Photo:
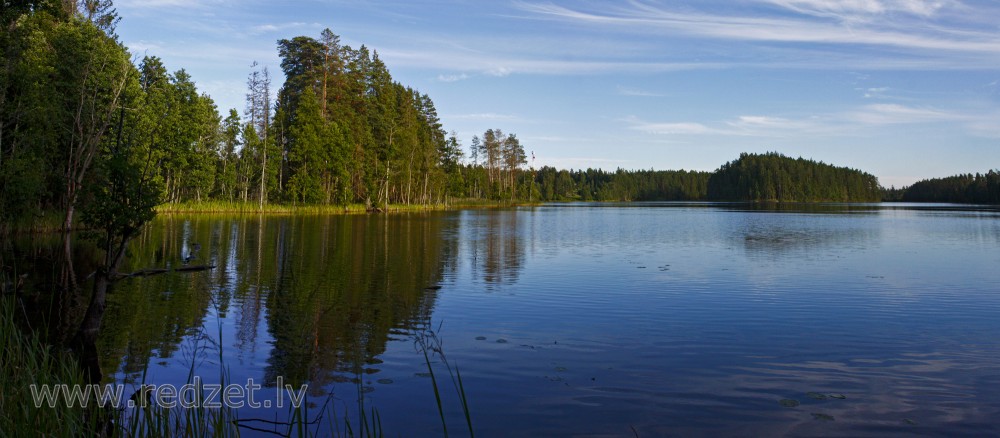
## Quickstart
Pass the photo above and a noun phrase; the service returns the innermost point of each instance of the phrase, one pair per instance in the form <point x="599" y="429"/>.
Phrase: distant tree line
<point x="968" y="188"/>
<point x="620" y="185"/>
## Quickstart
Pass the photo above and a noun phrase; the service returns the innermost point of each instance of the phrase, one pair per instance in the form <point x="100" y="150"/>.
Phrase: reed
<point x="208" y="207"/>
<point x="25" y="359"/>
<point x="430" y="344"/>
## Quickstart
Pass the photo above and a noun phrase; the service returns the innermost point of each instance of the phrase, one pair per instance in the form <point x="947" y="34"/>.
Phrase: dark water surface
<point x="589" y="319"/>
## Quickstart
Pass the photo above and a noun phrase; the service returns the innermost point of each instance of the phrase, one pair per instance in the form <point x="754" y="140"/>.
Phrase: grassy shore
<point x="52" y="221"/>
<point x="255" y="208"/>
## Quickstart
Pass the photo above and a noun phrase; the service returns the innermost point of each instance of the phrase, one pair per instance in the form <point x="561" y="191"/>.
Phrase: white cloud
<point x="485" y="63"/>
<point x="279" y="27"/>
<point x="937" y="39"/>
<point x="499" y="71"/>
<point x="669" y="128"/>
<point x="452" y="78"/>
<point x="887" y="114"/>
<point x="846" y="9"/>
<point x="844" y="123"/>
<point x="142" y="47"/>
<point x="759" y="121"/>
<point x="875" y="92"/>
<point x="265" y="28"/>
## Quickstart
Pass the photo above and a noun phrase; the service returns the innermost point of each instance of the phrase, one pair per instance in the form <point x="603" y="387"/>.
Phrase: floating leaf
<point x="480" y="338"/>
<point x="384" y="381"/>
<point x="816" y="395"/>
<point x="909" y="421"/>
<point x="837" y="396"/>
<point x="822" y="417"/>
<point x="560" y="369"/>
<point x="501" y="341"/>
<point x="788" y="403"/>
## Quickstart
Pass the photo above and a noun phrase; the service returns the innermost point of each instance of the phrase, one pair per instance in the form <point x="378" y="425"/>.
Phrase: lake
<point x="648" y="319"/>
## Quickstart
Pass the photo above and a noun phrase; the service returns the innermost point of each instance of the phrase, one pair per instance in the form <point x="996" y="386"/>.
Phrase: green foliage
<point x="313" y="154"/>
<point x="775" y="177"/>
<point x="123" y="195"/>
<point x="621" y="185"/>
<point x="62" y="80"/>
<point x="351" y="133"/>
<point x="969" y="188"/>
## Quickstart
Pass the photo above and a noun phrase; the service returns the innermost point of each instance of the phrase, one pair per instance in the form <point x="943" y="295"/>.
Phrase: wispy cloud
<point x="831" y="124"/>
<point x="629" y="91"/>
<point x="485" y="116"/>
<point x="452" y="78"/>
<point x="773" y="126"/>
<point x="153" y="4"/>
<point x="503" y="64"/>
<point x="874" y="92"/>
<point x="500" y="71"/>
<point x="281" y="27"/>
<point x="844" y="123"/>
<point x="855" y="9"/>
<point x="985" y="126"/>
<point x="810" y="22"/>
<point x="670" y="128"/>
<point x="888" y="114"/>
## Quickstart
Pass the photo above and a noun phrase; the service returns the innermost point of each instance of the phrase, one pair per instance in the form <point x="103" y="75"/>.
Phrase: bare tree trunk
<point x="86" y="337"/>
<point x="409" y="177"/>
<point x="425" y="188"/>
<point x="263" y="168"/>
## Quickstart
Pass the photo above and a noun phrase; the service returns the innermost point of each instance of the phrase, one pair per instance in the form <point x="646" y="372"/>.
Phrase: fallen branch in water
<point x="194" y="268"/>
<point x="157" y="271"/>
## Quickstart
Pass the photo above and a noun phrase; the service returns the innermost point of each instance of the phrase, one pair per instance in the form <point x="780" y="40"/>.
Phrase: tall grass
<point x="153" y="420"/>
<point x="430" y="344"/>
<point x="47" y="221"/>
<point x="253" y="208"/>
<point x="25" y="359"/>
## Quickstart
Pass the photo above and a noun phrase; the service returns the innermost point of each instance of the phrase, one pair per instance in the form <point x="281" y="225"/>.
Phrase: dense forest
<point x="972" y="189"/>
<point x="775" y="177"/>
<point x="621" y="185"/>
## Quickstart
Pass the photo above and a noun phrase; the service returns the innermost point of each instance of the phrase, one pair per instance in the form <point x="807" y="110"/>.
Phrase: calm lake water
<point x="588" y="319"/>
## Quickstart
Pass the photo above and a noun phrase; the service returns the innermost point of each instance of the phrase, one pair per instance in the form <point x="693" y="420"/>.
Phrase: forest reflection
<point x="320" y="296"/>
<point x="496" y="245"/>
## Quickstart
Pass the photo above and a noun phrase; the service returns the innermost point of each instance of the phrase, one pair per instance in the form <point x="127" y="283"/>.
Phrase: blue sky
<point x="904" y="89"/>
